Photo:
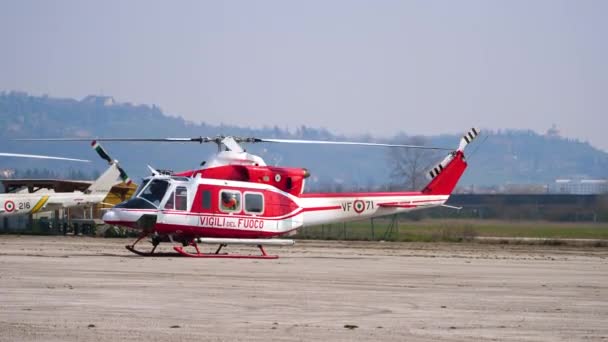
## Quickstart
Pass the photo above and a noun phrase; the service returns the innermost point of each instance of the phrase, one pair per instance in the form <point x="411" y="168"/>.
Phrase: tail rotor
<point x="105" y="156"/>
<point x="468" y="138"/>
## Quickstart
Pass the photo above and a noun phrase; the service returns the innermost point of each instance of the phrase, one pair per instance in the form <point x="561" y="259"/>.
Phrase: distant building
<point x="523" y="189"/>
<point x="579" y="186"/>
<point x="553" y="131"/>
<point x="105" y="100"/>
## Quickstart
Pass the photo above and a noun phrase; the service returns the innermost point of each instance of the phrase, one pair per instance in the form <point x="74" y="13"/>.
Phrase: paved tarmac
<point x="88" y="289"/>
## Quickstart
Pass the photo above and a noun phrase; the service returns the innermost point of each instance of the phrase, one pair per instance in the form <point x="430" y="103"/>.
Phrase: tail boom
<point x="331" y="208"/>
<point x="328" y="208"/>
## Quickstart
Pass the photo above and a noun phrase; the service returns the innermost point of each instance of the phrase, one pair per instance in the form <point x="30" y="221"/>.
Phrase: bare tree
<point x="409" y="165"/>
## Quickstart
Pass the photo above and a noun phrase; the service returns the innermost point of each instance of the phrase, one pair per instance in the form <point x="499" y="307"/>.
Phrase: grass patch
<point x="452" y="230"/>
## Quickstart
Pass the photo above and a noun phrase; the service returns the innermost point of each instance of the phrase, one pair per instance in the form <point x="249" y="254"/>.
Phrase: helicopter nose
<point x="111" y="216"/>
<point x="120" y="217"/>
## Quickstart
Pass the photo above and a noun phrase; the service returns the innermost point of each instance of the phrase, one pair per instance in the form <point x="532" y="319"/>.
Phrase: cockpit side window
<point x="181" y="198"/>
<point x="230" y="201"/>
<point x="170" y="201"/>
<point x="155" y="191"/>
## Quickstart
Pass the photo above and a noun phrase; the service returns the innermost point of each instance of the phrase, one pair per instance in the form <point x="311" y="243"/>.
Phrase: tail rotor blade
<point x="468" y="137"/>
<point x="123" y="175"/>
<point x="102" y="153"/>
<point x="105" y="156"/>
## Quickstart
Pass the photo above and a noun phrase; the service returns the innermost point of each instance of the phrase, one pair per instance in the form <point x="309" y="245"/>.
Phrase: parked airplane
<point x="48" y="200"/>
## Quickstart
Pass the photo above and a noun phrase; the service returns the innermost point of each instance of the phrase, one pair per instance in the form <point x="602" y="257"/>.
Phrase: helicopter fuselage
<point x="206" y="207"/>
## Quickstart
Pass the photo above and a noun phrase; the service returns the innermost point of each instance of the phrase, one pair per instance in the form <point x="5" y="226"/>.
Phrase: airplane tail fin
<point x="445" y="175"/>
<point x="107" y="180"/>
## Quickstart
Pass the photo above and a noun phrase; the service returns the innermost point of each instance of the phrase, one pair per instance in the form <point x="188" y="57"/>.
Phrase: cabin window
<point x="206" y="199"/>
<point x="289" y="183"/>
<point x="254" y="203"/>
<point x="230" y="201"/>
<point x="181" y="198"/>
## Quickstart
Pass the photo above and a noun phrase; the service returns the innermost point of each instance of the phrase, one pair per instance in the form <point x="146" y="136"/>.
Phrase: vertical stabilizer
<point x="445" y="175"/>
<point x="106" y="181"/>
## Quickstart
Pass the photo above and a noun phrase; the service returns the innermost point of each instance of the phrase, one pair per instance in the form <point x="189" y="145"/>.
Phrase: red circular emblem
<point x="359" y="206"/>
<point x="9" y="206"/>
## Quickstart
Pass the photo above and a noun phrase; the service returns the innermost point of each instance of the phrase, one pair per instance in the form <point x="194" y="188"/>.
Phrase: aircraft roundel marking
<point x="9" y="206"/>
<point x="358" y="206"/>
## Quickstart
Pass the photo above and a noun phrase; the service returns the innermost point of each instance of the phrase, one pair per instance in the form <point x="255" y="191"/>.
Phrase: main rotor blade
<point x="36" y="156"/>
<point x="295" y="141"/>
<point x="220" y="139"/>
<point x="198" y="139"/>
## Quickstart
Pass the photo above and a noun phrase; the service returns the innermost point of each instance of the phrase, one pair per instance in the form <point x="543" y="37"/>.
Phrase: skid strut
<point x="155" y="243"/>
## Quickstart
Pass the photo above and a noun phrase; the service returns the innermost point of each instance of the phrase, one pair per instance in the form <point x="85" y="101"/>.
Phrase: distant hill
<point x="516" y="157"/>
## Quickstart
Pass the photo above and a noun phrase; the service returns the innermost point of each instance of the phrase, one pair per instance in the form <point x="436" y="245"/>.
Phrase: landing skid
<point x="181" y="252"/>
<point x="152" y="253"/>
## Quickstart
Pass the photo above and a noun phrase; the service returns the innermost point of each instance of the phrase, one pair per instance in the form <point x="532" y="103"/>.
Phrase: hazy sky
<point x="374" y="66"/>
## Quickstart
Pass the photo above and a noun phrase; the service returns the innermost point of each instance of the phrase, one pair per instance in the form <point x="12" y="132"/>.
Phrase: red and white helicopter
<point x="237" y="199"/>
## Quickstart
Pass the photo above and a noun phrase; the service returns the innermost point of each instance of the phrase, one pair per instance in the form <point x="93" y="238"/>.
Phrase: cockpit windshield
<point x="155" y="191"/>
<point x="141" y="187"/>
